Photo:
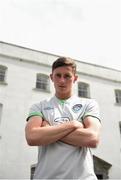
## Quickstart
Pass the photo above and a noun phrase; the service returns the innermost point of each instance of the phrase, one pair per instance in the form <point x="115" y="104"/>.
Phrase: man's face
<point x="63" y="79"/>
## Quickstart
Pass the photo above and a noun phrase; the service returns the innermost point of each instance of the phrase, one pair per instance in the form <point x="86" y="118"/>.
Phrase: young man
<point x="64" y="127"/>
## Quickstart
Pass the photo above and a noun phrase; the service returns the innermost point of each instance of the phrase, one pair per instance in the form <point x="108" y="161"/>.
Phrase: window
<point x="120" y="126"/>
<point x="32" y="171"/>
<point x="2" y="73"/>
<point x="118" y="96"/>
<point x="99" y="176"/>
<point x="42" y="82"/>
<point x="1" y="107"/>
<point x="101" y="168"/>
<point x="83" y="90"/>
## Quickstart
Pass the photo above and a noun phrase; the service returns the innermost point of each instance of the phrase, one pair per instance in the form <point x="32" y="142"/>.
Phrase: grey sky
<point x="87" y="30"/>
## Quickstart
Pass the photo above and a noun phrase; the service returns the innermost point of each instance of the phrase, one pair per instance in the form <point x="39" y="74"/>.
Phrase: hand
<point x="77" y="124"/>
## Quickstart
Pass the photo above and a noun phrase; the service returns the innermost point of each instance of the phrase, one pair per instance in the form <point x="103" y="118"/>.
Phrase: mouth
<point x="62" y="87"/>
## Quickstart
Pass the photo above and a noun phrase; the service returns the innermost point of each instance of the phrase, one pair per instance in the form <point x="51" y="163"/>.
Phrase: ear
<point x="75" y="78"/>
<point x="51" y="77"/>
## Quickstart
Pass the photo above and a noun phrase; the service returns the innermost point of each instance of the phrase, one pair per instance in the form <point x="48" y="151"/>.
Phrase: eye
<point x="58" y="75"/>
<point x="67" y="76"/>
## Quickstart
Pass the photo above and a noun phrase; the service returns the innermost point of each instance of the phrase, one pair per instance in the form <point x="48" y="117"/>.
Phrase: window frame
<point x="118" y="96"/>
<point x="85" y="90"/>
<point x="42" y="82"/>
<point x="120" y="127"/>
<point x="3" y="70"/>
<point x="1" y="111"/>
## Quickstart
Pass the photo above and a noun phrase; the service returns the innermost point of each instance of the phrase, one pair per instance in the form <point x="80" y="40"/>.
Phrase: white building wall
<point x="23" y="64"/>
<point x="110" y="146"/>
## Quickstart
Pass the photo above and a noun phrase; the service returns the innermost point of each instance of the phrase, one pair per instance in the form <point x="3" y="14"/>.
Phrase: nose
<point x="62" y="79"/>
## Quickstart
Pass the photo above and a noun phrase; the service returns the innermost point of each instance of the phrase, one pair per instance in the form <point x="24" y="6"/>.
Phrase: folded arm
<point x="88" y="136"/>
<point x="39" y="133"/>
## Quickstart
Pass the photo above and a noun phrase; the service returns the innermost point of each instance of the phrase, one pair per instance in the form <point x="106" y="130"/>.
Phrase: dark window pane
<point x="42" y="82"/>
<point x="83" y="90"/>
<point x="118" y="96"/>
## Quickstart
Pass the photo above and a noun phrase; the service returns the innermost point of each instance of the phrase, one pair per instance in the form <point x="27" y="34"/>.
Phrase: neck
<point x="63" y="96"/>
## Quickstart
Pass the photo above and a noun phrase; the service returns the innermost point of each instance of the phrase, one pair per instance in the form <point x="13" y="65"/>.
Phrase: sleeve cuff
<point x="34" y="114"/>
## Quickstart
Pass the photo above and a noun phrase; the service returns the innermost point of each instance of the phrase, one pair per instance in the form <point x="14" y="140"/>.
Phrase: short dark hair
<point x="64" y="61"/>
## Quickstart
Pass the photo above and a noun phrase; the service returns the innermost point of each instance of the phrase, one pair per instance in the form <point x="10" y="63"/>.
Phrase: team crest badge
<point x="76" y="108"/>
